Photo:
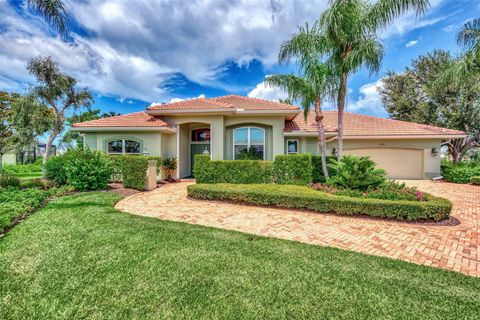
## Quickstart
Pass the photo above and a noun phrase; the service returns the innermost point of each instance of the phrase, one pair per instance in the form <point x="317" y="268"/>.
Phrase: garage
<point x="399" y="163"/>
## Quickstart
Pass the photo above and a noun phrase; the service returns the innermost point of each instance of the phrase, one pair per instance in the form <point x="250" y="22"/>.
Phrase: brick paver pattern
<point x="448" y="247"/>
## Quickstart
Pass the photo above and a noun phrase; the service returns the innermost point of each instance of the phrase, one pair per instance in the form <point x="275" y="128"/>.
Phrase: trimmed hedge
<point x="293" y="169"/>
<point x="305" y="198"/>
<point x="132" y="170"/>
<point x="231" y="171"/>
<point x="317" y="171"/>
<point x="460" y="172"/>
<point x="475" y="180"/>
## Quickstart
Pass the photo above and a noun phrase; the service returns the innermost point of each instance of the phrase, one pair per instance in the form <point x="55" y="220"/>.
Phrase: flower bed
<point x="305" y="198"/>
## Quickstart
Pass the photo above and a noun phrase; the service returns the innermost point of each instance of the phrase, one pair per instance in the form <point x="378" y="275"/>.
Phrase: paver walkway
<point x="449" y="247"/>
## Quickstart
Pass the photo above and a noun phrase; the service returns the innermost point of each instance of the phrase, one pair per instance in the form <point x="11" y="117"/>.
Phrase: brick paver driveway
<point x="448" y="247"/>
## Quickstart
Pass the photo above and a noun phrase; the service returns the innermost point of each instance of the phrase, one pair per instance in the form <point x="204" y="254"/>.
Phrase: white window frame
<point x="123" y="146"/>
<point x="248" y="140"/>
<point x="298" y="146"/>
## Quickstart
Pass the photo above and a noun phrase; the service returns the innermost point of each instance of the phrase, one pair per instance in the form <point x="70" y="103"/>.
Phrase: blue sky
<point x="133" y="53"/>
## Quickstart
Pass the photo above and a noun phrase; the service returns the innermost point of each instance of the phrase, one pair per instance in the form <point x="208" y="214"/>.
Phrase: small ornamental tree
<point x="59" y="92"/>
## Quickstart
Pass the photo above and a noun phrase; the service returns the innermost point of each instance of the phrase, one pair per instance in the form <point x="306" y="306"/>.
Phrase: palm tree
<point x="469" y="36"/>
<point x="54" y="12"/>
<point x="314" y="82"/>
<point x="348" y="35"/>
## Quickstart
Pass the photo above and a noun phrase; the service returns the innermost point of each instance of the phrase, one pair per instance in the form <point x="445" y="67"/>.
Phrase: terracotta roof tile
<point x="136" y="119"/>
<point x="192" y="104"/>
<point x="242" y="102"/>
<point x="226" y="102"/>
<point x="363" y="125"/>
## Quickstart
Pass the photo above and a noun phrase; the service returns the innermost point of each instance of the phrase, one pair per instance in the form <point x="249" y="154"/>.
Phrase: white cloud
<point x="263" y="91"/>
<point x="411" y="43"/>
<point x="449" y="28"/>
<point x="176" y="99"/>
<point x="369" y="101"/>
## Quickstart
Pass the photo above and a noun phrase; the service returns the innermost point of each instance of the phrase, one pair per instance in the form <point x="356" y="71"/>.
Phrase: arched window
<point x="123" y="146"/>
<point x="248" y="142"/>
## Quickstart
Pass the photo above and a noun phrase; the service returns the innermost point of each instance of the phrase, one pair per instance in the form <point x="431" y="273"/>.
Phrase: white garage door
<point x="399" y="163"/>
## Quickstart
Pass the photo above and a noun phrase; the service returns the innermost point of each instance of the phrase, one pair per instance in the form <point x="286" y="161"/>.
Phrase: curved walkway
<point x="449" y="247"/>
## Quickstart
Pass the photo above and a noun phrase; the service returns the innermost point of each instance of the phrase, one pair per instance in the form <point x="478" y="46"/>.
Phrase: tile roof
<point x="226" y="102"/>
<point x="136" y="119"/>
<point x="363" y="125"/>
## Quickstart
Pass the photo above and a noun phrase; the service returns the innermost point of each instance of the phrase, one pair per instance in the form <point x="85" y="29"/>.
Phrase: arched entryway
<point x="199" y="143"/>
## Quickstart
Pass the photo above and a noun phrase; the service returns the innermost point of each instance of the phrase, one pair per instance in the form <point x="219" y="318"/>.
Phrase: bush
<point x="56" y="169"/>
<point x="119" y="162"/>
<point x="88" y="170"/>
<point x="134" y="172"/>
<point x="21" y="169"/>
<point x="293" y="169"/>
<point x="356" y="173"/>
<point x="317" y="171"/>
<point x="38" y="183"/>
<point x="475" y="180"/>
<point x="231" y="171"/>
<point x="169" y="165"/>
<point x="305" y="198"/>
<point x="389" y="190"/>
<point x="460" y="172"/>
<point x="15" y="203"/>
<point x="9" y="181"/>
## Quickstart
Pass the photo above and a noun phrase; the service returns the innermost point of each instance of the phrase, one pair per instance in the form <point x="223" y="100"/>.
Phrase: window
<point x="249" y="140"/>
<point x="123" y="146"/>
<point x="292" y="146"/>
<point x="199" y="135"/>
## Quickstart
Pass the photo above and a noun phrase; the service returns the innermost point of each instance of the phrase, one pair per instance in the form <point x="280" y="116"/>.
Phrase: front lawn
<point x="80" y="258"/>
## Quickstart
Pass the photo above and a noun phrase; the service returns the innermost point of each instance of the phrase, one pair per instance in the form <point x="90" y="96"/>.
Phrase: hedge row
<point x="317" y="171"/>
<point x="293" y="169"/>
<point x="230" y="171"/>
<point x="475" y="180"/>
<point x="304" y="198"/>
<point x="132" y="170"/>
<point x="460" y="172"/>
<point x="286" y="169"/>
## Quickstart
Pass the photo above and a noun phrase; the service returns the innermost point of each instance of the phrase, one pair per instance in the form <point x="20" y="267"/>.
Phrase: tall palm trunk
<point x="342" y="95"/>
<point x="321" y="137"/>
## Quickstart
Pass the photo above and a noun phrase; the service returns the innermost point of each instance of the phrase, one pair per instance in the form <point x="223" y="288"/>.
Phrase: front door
<point x="197" y="148"/>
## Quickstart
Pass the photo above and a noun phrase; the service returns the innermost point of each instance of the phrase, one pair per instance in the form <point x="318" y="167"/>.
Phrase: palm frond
<point x="54" y="12"/>
<point x="469" y="36"/>
<point x="383" y="12"/>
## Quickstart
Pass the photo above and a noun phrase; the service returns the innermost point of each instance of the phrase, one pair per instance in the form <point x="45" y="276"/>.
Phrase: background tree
<point x="54" y="12"/>
<point x="314" y="82"/>
<point x="433" y="92"/>
<point x="71" y="138"/>
<point x="59" y="92"/>
<point x="348" y="33"/>
<point x="469" y="36"/>
<point x="6" y="131"/>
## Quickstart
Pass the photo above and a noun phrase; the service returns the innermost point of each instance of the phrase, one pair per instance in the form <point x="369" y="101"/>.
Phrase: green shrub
<point x="15" y="203"/>
<point x="317" y="171"/>
<point x="475" y="180"/>
<point x="169" y="165"/>
<point x="356" y="173"/>
<point x="9" y="181"/>
<point x="249" y="154"/>
<point x="293" y="169"/>
<point x="231" y="171"/>
<point x="305" y="198"/>
<point x="460" y="172"/>
<point x="88" y="170"/>
<point x="118" y="163"/>
<point x="21" y="169"/>
<point x="56" y="169"/>
<point x="134" y="172"/>
<point x="36" y="183"/>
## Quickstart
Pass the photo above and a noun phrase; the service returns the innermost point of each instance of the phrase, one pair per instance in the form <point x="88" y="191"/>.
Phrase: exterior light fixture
<point x="145" y="152"/>
<point x="434" y="152"/>
<point x="206" y="151"/>
<point x="334" y="152"/>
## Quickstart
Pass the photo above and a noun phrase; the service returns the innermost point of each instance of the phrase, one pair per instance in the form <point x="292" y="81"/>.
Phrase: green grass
<point x="80" y="258"/>
<point x="29" y="175"/>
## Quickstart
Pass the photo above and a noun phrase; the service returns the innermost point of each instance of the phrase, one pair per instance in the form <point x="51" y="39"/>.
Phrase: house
<point x="226" y="126"/>
<point x="30" y="154"/>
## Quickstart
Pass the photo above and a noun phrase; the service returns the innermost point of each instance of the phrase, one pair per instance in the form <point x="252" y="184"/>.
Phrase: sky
<point x="131" y="53"/>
